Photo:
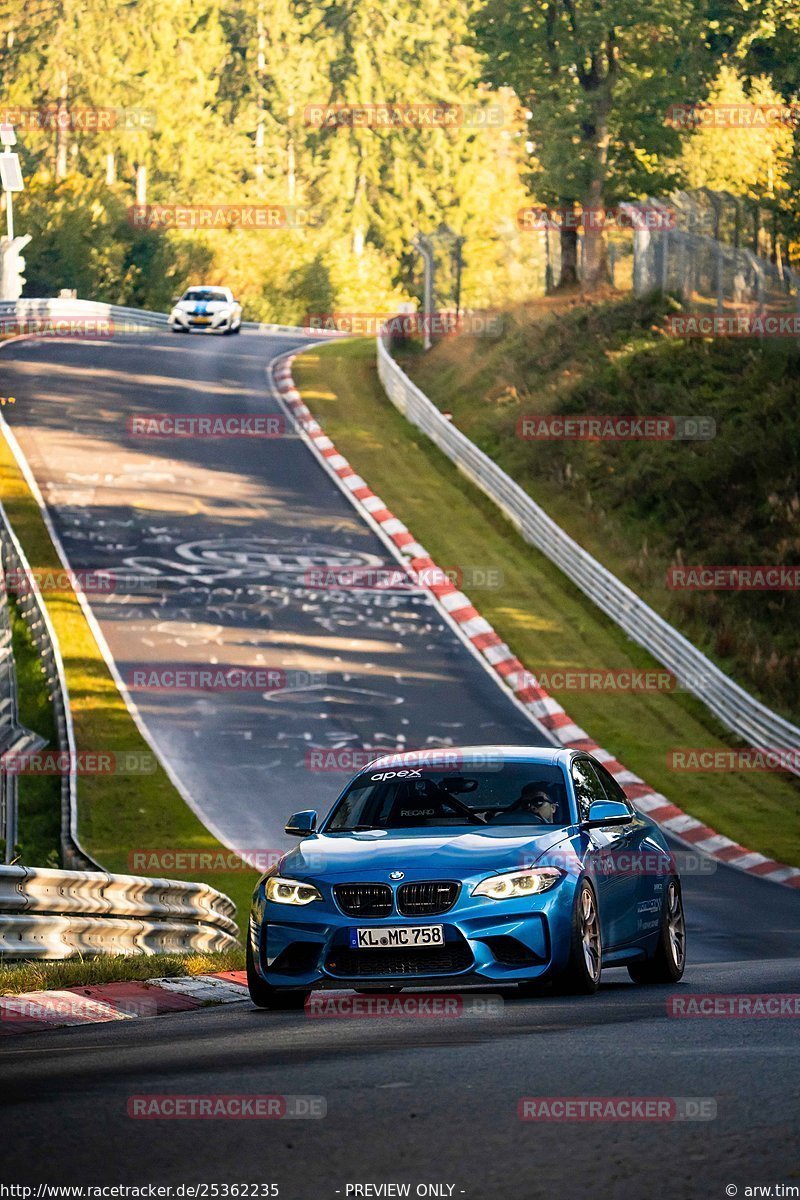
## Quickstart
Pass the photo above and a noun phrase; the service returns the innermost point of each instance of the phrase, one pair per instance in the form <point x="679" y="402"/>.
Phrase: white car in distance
<point x="209" y="309"/>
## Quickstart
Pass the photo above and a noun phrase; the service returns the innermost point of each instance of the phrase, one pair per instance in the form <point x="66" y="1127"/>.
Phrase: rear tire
<point x="581" y="976"/>
<point x="264" y="996"/>
<point x="668" y="962"/>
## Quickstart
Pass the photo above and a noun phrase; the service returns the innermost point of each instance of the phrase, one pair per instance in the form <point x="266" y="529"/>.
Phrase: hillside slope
<point x="642" y="507"/>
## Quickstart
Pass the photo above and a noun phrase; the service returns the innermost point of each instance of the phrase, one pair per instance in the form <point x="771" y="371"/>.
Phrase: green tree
<point x="597" y="77"/>
<point x="750" y="161"/>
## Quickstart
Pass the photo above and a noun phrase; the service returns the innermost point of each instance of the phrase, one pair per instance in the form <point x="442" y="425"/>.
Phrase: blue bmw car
<point x="485" y="865"/>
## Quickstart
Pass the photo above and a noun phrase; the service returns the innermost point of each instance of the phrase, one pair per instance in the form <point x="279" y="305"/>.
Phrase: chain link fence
<point x="722" y="254"/>
<point x="680" y="247"/>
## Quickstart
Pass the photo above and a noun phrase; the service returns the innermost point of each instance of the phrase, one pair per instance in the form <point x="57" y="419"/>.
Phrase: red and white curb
<point x="32" y="1012"/>
<point x="544" y="710"/>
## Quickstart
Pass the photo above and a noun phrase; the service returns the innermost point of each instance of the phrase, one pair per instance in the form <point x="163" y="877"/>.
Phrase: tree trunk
<point x="598" y="85"/>
<point x="568" y="275"/>
<point x="595" y="245"/>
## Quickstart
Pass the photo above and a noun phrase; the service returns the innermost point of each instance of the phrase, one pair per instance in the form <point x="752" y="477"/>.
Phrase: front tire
<point x="581" y="977"/>
<point x="265" y="996"/>
<point x="668" y="963"/>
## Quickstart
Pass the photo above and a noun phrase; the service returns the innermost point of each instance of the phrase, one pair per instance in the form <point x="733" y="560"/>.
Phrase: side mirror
<point x="302" y="823"/>
<point x="606" y="813"/>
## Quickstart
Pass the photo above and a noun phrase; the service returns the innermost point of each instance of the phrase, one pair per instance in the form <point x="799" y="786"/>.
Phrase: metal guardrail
<point x="57" y="914"/>
<point x="58" y="309"/>
<point x="34" y="612"/>
<point x="738" y="711"/>
<point x="14" y="737"/>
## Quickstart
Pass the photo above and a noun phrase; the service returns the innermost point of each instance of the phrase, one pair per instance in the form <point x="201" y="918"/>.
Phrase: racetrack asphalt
<point x="421" y="1100"/>
<point x="212" y="545"/>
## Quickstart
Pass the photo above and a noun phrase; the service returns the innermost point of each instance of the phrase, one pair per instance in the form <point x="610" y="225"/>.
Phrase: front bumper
<point x="486" y="941"/>
<point x="217" y="322"/>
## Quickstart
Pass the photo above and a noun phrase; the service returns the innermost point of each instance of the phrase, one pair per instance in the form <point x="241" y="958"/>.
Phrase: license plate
<point x="201" y="320"/>
<point x="397" y="935"/>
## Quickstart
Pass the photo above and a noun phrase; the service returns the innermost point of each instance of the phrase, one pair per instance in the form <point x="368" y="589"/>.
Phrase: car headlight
<point x="514" y="884"/>
<point x="290" y="891"/>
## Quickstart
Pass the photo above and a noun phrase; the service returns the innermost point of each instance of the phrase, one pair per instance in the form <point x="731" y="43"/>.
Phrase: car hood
<point x="204" y="306"/>
<point x="420" y="855"/>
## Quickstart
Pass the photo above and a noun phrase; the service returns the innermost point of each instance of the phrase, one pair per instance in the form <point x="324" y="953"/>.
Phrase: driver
<point x="534" y="800"/>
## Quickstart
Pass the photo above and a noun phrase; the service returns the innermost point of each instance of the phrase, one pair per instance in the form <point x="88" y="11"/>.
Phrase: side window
<point x="588" y="787"/>
<point x="613" y="790"/>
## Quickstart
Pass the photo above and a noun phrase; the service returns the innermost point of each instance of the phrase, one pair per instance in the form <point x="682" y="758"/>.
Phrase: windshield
<point x="204" y="294"/>
<point x="421" y="797"/>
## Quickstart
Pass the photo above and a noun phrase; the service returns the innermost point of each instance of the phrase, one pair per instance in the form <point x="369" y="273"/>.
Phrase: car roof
<point x="206" y="287"/>
<point x="543" y="755"/>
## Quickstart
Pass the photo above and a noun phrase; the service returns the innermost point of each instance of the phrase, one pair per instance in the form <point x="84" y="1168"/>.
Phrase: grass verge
<point x="44" y="976"/>
<point x="548" y="623"/>
<point x="117" y="814"/>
